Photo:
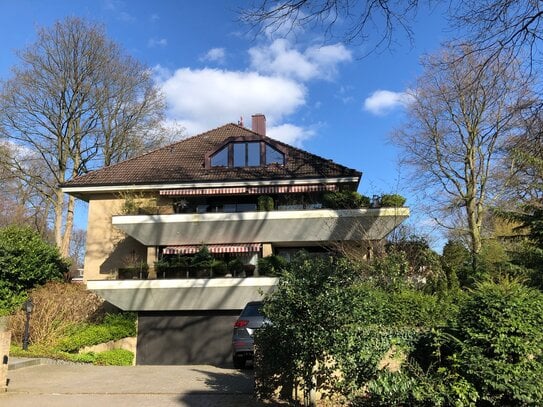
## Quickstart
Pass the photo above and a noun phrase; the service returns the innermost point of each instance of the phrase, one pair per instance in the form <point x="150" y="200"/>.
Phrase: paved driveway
<point x="141" y="386"/>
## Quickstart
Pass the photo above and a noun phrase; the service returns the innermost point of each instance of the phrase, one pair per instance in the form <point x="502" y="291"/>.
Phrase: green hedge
<point x="114" y="327"/>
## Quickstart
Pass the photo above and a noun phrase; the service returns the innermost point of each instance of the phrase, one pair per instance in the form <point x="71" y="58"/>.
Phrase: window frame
<point x="229" y="143"/>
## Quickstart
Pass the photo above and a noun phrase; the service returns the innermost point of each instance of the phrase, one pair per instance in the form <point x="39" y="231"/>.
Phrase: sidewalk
<point x="127" y="386"/>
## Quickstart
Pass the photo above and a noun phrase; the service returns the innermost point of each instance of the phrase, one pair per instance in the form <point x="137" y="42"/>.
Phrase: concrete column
<point x="5" y="340"/>
<point x="152" y="257"/>
<point x="267" y="249"/>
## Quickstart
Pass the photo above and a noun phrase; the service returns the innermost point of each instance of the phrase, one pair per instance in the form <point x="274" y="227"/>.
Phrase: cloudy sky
<point x="324" y="96"/>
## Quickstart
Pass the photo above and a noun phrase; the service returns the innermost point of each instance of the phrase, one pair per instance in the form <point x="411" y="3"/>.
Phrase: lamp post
<point x="28" y="309"/>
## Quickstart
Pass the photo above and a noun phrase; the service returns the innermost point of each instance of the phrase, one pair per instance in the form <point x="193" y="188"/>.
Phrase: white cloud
<point x="290" y="134"/>
<point x="118" y="6"/>
<point x="157" y="42"/>
<point x="280" y="58"/>
<point x="154" y="18"/>
<point x="215" y="55"/>
<point x="382" y="102"/>
<point x="201" y="99"/>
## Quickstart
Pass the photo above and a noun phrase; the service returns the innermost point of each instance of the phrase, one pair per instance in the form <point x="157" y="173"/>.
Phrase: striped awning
<point x="215" y="248"/>
<point x="271" y="189"/>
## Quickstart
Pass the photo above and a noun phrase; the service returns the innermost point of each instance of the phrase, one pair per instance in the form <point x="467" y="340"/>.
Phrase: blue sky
<point x="322" y="96"/>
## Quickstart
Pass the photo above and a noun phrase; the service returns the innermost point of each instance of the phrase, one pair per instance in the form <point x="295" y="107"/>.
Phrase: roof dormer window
<point x="246" y="153"/>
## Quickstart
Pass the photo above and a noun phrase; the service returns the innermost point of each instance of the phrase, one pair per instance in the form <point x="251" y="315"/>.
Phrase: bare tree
<point x="22" y="201"/>
<point x="502" y="27"/>
<point x="70" y="102"/>
<point x="459" y="118"/>
<point x="130" y="110"/>
<point x="348" y="20"/>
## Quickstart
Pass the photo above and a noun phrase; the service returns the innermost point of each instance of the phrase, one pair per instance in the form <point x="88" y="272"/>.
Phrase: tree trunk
<point x="59" y="206"/>
<point x="66" y="238"/>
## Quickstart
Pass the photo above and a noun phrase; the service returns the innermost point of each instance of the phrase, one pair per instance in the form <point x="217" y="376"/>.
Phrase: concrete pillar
<point x="267" y="249"/>
<point x="5" y="340"/>
<point x="152" y="257"/>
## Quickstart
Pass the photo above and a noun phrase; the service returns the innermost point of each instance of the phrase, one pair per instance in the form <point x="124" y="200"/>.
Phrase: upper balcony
<point x="278" y="226"/>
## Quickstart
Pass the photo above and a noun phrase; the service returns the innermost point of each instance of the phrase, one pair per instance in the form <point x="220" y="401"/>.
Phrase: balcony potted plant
<point x="235" y="267"/>
<point x="134" y="268"/>
<point x="265" y="203"/>
<point x="201" y="263"/>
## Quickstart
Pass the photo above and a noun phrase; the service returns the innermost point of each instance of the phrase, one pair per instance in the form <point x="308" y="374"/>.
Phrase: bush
<point x="114" y="357"/>
<point x="265" y="203"/>
<point x="309" y="305"/>
<point x="114" y="327"/>
<point x="345" y="200"/>
<point x="26" y="261"/>
<point x="57" y="306"/>
<point x="501" y="343"/>
<point x="392" y="200"/>
<point x="272" y="265"/>
<point x="327" y="318"/>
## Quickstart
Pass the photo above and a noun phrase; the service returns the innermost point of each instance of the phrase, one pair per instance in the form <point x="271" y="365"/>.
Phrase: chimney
<point x="259" y="124"/>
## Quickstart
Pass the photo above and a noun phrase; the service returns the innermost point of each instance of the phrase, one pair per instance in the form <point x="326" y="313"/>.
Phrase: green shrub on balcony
<point x="219" y="268"/>
<point x="272" y="265"/>
<point x="345" y="200"/>
<point x="392" y="200"/>
<point x="265" y="203"/>
<point x="235" y="267"/>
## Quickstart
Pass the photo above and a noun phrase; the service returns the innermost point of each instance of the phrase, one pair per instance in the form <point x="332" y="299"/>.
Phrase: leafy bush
<point x="309" y="305"/>
<point x="26" y="261"/>
<point x="114" y="327"/>
<point x="345" y="200"/>
<point x="57" y="306"/>
<point x="235" y="267"/>
<point x="203" y="258"/>
<point x="392" y="200"/>
<point x="114" y="357"/>
<point x="327" y="318"/>
<point x="501" y="343"/>
<point x="272" y="265"/>
<point x="265" y="203"/>
<point x="414" y="387"/>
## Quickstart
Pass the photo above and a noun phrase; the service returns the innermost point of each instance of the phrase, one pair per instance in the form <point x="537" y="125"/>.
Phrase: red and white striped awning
<point x="214" y="248"/>
<point x="271" y="189"/>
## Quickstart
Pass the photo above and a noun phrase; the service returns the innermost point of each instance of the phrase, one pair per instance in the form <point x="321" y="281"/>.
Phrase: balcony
<point x="307" y="226"/>
<point x="183" y="294"/>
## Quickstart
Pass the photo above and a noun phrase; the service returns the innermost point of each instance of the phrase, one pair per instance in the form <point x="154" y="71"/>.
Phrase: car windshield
<point x="252" y="310"/>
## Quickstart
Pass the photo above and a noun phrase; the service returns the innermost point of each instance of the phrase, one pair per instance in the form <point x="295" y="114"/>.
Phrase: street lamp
<point x="29" y="306"/>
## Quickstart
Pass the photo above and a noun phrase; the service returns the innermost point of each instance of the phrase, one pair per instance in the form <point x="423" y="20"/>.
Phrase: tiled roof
<point x="184" y="162"/>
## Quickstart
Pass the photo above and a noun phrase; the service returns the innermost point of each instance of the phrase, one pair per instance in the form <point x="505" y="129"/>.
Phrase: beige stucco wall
<point x="107" y="247"/>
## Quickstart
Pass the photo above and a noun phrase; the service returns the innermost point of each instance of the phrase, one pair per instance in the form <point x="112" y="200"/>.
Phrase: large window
<point x="220" y="159"/>
<point x="274" y="156"/>
<point x="247" y="154"/>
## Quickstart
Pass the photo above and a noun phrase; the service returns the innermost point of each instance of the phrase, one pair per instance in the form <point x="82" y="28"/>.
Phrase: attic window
<point x="247" y="154"/>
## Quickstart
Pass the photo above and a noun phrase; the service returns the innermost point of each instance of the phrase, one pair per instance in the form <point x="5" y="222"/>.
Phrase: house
<point x="235" y="191"/>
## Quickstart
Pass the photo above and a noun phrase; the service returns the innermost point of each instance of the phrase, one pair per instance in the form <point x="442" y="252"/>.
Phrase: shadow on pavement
<point x="226" y="390"/>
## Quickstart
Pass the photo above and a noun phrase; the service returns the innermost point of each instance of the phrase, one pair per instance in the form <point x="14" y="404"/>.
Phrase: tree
<point x="461" y="114"/>
<point x="22" y="203"/>
<point x="73" y="101"/>
<point x="354" y="20"/>
<point x="502" y="27"/>
<point x="26" y="261"/>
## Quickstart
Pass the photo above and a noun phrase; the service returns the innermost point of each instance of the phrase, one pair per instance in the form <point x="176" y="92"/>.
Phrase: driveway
<point x="137" y="386"/>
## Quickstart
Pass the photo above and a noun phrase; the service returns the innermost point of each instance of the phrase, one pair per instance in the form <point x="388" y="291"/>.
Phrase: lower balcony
<point x="183" y="294"/>
<point x="294" y="226"/>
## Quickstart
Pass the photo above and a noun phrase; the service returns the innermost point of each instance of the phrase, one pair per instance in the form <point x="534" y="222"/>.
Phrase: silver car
<point x="248" y="322"/>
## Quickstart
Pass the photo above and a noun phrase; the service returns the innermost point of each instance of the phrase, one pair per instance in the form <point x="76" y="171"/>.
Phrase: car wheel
<point x="239" y="362"/>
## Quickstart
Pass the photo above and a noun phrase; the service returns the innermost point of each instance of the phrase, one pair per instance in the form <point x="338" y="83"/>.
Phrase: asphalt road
<point x="134" y="386"/>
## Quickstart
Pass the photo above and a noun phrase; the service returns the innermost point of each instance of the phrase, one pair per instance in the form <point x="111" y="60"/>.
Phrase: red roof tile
<point x="184" y="161"/>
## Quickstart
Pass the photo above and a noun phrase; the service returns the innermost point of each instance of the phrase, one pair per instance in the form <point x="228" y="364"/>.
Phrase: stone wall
<point x="5" y="340"/>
